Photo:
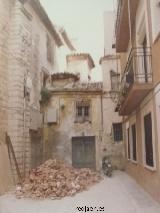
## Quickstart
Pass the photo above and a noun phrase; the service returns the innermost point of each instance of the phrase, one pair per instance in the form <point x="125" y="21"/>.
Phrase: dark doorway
<point x="83" y="152"/>
<point x="36" y="149"/>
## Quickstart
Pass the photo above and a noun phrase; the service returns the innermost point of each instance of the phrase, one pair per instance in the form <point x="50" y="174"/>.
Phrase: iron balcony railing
<point x="138" y="69"/>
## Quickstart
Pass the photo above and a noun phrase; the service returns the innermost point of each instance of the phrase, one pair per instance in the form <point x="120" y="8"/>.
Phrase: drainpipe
<point x="24" y="127"/>
<point x="102" y="122"/>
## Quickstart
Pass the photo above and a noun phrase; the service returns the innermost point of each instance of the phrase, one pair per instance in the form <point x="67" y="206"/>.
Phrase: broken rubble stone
<point x="56" y="180"/>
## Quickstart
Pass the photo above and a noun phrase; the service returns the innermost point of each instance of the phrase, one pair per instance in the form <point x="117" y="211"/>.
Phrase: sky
<point x="83" y="21"/>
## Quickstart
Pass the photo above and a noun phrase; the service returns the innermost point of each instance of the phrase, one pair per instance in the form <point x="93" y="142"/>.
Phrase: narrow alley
<point x="79" y="106"/>
<point x="119" y="194"/>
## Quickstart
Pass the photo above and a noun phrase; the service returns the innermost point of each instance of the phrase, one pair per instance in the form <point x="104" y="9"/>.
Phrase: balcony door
<point x="145" y="59"/>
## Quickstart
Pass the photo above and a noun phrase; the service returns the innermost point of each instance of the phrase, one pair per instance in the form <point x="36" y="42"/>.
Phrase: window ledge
<point x="134" y="162"/>
<point x="150" y="168"/>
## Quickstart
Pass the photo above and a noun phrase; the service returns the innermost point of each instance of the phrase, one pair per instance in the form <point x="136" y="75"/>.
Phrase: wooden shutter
<point x="128" y="142"/>
<point x="148" y="139"/>
<point x="134" y="145"/>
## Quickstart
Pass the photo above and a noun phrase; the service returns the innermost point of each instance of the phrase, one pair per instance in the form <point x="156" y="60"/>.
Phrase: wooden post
<point x="10" y="149"/>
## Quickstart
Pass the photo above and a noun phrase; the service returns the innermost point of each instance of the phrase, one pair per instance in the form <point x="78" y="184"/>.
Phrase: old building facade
<point x="73" y="115"/>
<point x="112" y="122"/>
<point x="137" y="41"/>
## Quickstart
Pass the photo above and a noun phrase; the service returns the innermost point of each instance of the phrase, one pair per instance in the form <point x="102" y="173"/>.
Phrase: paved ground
<point x="119" y="194"/>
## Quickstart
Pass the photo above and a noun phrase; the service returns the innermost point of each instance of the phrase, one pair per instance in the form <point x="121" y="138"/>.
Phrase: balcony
<point x="125" y="18"/>
<point x="136" y="81"/>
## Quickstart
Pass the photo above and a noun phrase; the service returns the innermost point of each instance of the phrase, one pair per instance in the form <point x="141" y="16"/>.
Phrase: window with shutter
<point x="148" y="139"/>
<point x="134" y="143"/>
<point x="128" y="143"/>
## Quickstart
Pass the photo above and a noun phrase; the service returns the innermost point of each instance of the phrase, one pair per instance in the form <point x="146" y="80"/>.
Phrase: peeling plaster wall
<point x="114" y="149"/>
<point x="111" y="63"/>
<point x="59" y="135"/>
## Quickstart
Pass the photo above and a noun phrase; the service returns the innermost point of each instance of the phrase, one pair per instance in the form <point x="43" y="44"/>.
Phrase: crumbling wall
<point x="59" y="135"/>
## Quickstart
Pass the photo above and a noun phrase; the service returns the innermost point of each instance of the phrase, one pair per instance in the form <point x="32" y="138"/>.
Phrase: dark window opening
<point x="79" y="109"/>
<point x="118" y="132"/>
<point x="115" y="78"/>
<point x="128" y="142"/>
<point x="86" y="111"/>
<point x="148" y="139"/>
<point x="134" y="145"/>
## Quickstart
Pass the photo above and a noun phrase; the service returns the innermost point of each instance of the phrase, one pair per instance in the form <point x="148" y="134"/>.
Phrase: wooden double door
<point x="84" y="152"/>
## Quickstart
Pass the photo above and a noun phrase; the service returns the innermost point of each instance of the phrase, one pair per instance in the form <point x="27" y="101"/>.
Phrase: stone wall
<point x="5" y="170"/>
<point x="27" y="63"/>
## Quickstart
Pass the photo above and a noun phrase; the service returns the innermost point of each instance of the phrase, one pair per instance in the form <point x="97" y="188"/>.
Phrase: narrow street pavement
<point x="119" y="194"/>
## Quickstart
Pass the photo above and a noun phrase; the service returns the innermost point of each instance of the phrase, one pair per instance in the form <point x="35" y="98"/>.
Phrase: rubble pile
<point x="55" y="180"/>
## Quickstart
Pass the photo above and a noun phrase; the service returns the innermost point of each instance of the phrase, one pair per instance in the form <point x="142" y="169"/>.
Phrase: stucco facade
<point x="141" y="121"/>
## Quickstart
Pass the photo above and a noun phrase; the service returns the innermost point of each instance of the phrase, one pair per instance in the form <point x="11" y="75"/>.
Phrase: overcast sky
<point x="83" y="21"/>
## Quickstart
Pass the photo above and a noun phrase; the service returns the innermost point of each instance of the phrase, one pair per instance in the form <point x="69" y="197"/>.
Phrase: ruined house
<point x="73" y="115"/>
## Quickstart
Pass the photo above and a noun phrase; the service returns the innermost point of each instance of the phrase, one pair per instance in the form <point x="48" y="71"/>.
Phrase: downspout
<point x="24" y="127"/>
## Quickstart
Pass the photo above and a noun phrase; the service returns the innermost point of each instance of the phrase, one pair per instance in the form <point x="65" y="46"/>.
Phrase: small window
<point x="134" y="143"/>
<point x="115" y="78"/>
<point x="49" y="50"/>
<point x="79" y="109"/>
<point x="118" y="132"/>
<point x="82" y="111"/>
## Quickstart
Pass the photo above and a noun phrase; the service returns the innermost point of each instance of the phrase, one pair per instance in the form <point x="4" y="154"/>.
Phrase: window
<point x="128" y="144"/>
<point x="82" y="111"/>
<point x="148" y="140"/>
<point x="118" y="132"/>
<point x="134" y="143"/>
<point x="49" y="50"/>
<point x="115" y="77"/>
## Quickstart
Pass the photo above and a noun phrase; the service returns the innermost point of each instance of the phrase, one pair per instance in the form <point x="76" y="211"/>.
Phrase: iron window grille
<point x="82" y="111"/>
<point x="117" y="132"/>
